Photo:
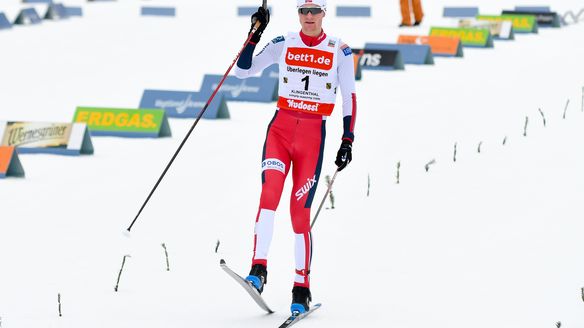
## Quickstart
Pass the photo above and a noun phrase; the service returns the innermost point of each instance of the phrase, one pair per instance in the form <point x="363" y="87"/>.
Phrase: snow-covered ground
<point x="491" y="240"/>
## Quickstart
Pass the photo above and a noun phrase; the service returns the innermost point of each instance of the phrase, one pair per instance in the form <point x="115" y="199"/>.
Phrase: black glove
<point x="344" y="155"/>
<point x="263" y="16"/>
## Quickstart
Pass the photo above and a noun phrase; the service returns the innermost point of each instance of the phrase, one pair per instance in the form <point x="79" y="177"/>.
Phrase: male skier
<point x="312" y="66"/>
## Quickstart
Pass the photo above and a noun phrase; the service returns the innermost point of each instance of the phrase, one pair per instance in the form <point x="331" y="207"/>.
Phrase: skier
<point x="312" y="65"/>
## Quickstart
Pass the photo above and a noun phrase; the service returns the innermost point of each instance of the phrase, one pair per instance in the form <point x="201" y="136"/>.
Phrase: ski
<point x="257" y="297"/>
<point x="295" y="317"/>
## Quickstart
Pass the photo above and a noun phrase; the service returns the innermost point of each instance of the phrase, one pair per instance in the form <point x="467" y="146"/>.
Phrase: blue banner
<point x="28" y="16"/>
<point x="457" y="12"/>
<point x="74" y="11"/>
<point x="158" y="11"/>
<point x="56" y="11"/>
<point x="4" y="22"/>
<point x="248" y="11"/>
<point x="255" y="89"/>
<point x="353" y="11"/>
<point x="184" y="104"/>
<point x="416" y="54"/>
<point x="272" y="72"/>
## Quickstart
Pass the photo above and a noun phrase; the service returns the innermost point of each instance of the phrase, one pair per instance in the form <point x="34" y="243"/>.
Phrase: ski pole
<point x="330" y="186"/>
<point x="256" y="26"/>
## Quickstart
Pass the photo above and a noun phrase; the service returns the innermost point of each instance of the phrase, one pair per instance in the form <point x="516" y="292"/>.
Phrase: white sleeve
<point x="346" y="74"/>
<point x="269" y="55"/>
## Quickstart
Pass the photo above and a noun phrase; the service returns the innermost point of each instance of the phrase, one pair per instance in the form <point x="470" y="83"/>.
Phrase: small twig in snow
<point x="120" y="274"/>
<point x="566" y="108"/>
<point x="397" y="174"/>
<point x="59" y="302"/>
<point x="525" y="127"/>
<point x="427" y="166"/>
<point x="454" y="157"/>
<point x="542" y="116"/>
<point x="217" y="246"/>
<point x="479" y="147"/>
<point x="505" y="141"/>
<point x="166" y="254"/>
<point x="368" y="184"/>
<point x="331" y="196"/>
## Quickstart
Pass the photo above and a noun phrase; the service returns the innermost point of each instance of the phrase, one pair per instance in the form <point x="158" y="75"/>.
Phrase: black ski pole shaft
<point x="328" y="190"/>
<point x="256" y="26"/>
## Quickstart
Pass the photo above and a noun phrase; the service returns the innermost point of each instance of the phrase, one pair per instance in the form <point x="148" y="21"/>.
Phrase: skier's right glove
<point x="263" y="16"/>
<point x="344" y="155"/>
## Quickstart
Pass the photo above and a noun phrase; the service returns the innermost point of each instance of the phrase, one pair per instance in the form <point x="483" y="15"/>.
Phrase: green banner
<point x="124" y="122"/>
<point x="474" y="37"/>
<point x="521" y="23"/>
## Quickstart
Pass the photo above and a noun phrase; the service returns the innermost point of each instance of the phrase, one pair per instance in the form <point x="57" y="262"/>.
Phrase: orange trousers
<point x="406" y="8"/>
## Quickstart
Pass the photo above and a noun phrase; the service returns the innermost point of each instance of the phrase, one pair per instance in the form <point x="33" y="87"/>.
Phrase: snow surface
<point x="491" y="240"/>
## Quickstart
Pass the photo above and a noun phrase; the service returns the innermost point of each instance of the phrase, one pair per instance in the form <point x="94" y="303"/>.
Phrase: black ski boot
<point x="301" y="299"/>
<point x="258" y="277"/>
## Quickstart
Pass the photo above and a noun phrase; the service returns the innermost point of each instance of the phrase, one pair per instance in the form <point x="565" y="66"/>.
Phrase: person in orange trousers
<point x="406" y="9"/>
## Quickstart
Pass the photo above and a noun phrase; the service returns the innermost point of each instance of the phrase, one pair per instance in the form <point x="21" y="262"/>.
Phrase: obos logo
<point x="273" y="164"/>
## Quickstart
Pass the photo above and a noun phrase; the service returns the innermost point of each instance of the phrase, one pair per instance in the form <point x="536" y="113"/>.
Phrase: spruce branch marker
<point x="59" y="302"/>
<point x="525" y="127"/>
<point x="331" y="196"/>
<point x="427" y="166"/>
<point x="558" y="324"/>
<point x="542" y="116"/>
<point x="166" y="254"/>
<point x="566" y="108"/>
<point x="454" y="158"/>
<point x="120" y="274"/>
<point x="368" y="184"/>
<point x="397" y="175"/>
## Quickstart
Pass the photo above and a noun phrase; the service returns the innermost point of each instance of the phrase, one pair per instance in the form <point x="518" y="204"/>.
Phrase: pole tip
<point x="126" y="233"/>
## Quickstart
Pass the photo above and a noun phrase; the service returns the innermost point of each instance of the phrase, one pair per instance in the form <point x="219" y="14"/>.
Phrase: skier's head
<point x="311" y="13"/>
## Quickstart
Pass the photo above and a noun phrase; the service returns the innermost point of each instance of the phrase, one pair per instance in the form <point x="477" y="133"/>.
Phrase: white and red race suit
<point x="311" y="70"/>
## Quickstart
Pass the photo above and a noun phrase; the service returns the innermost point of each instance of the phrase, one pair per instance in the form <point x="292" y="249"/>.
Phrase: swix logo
<point x="273" y="164"/>
<point x="306" y="57"/>
<point x="302" y="105"/>
<point x="310" y="182"/>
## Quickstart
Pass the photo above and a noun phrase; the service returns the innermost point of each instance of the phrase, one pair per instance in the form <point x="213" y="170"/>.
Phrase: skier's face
<point x="311" y="23"/>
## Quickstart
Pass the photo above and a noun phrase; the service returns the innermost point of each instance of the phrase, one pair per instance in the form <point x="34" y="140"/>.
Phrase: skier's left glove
<point x="344" y="155"/>
<point x="262" y="16"/>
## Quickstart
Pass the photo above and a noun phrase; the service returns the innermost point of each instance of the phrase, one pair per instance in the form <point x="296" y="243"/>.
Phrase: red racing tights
<point x="293" y="139"/>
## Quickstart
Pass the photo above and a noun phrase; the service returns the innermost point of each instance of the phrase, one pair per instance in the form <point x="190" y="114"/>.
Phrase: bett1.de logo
<point x="312" y="58"/>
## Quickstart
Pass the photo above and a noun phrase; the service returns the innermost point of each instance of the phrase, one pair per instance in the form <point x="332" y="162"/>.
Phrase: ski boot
<point x="258" y="277"/>
<point x="301" y="299"/>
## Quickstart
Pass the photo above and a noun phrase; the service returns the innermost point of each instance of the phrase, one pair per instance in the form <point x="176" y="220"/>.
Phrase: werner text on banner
<point x="50" y="138"/>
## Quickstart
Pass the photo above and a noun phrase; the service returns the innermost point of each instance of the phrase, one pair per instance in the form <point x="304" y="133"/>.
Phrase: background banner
<point x="184" y="104"/>
<point x="440" y="45"/>
<point x="50" y="138"/>
<point x="470" y="37"/>
<point x="9" y="163"/>
<point x="133" y="123"/>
